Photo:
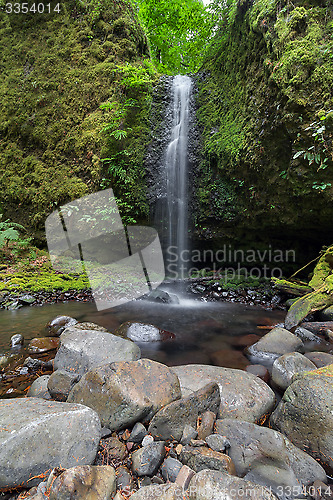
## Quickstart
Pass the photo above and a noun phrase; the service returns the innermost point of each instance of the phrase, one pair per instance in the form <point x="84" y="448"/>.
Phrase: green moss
<point x="268" y="75"/>
<point x="54" y="81"/>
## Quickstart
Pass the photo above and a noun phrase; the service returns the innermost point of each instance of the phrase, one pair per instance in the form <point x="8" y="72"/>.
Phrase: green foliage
<point x="178" y="32"/>
<point x="12" y="243"/>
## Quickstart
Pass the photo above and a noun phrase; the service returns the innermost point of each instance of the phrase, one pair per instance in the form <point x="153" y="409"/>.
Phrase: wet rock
<point x="204" y="458"/>
<point x="287" y="365"/>
<point x="114" y="449"/>
<point x="305" y="415"/>
<point x="162" y="296"/>
<point x="61" y="383"/>
<point x="125" y="481"/>
<point x="4" y="361"/>
<point x="58" y="325"/>
<point x="87" y="325"/>
<point x="26" y="299"/>
<point x="142" y="332"/>
<point x="138" y="433"/>
<point x="38" y="388"/>
<point x="307" y="336"/>
<point x="169" y="422"/>
<point x="320" y="359"/>
<point x="25" y="423"/>
<point x="126" y="392"/>
<point x="37" y="364"/>
<point x="17" y="340"/>
<point x="260" y="371"/>
<point x="170" y="469"/>
<point x="147" y="440"/>
<point x="157" y="491"/>
<point x="82" y="350"/>
<point x="272" y="345"/>
<point x="184" y="477"/>
<point x="146" y="461"/>
<point x="217" y="442"/>
<point x="207" y="424"/>
<point x="229" y="358"/>
<point x="218" y="485"/>
<point x="85" y="483"/>
<point x="188" y="433"/>
<point x="326" y="314"/>
<point x="243" y="395"/>
<point x="43" y="344"/>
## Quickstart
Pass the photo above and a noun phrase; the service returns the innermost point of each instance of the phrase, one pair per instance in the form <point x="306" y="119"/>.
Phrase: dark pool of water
<point x="201" y="328"/>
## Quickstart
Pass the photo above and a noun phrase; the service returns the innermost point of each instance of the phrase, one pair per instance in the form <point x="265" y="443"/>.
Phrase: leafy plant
<point x="9" y="231"/>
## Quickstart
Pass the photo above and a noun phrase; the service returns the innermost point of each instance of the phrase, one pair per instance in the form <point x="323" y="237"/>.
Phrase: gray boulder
<point x="38" y="435"/>
<point x="266" y="457"/>
<point x="243" y="395"/>
<point x="200" y="458"/>
<point x="218" y="485"/>
<point x="60" y="384"/>
<point x="146" y="460"/>
<point x="126" y="392"/>
<point x="287" y="365"/>
<point x="170" y="421"/>
<point x="82" y="350"/>
<point x="272" y="345"/>
<point x="305" y="414"/>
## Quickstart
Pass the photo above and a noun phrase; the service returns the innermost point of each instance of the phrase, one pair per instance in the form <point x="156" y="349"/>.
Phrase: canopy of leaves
<point x="178" y="32"/>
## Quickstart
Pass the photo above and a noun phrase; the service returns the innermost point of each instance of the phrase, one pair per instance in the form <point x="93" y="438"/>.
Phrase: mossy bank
<point x="74" y="92"/>
<point x="265" y="107"/>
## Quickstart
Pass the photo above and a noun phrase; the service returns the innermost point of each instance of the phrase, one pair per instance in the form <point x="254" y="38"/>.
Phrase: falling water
<point x="175" y="209"/>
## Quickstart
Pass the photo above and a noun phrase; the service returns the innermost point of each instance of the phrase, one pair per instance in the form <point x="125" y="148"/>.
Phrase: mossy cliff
<point x="75" y="89"/>
<point x="266" y="110"/>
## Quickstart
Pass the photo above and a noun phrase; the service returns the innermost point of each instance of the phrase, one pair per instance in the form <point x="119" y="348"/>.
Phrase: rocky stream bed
<point x="100" y="422"/>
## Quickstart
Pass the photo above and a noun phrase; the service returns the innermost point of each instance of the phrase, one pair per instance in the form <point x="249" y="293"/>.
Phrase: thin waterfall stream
<point x="174" y="212"/>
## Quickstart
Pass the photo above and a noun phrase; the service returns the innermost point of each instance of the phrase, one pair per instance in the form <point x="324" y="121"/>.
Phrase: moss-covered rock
<point x="266" y="111"/>
<point x="53" y="131"/>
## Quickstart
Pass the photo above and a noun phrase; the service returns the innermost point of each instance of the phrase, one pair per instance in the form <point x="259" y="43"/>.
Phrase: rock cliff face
<point x="266" y="109"/>
<point x="57" y="70"/>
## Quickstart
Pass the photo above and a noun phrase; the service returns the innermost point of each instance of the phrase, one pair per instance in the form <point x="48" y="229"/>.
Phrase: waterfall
<point x="174" y="206"/>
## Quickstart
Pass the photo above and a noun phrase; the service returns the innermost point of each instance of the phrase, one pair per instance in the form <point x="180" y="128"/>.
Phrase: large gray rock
<point x="170" y="421"/>
<point x="82" y="350"/>
<point x="305" y="414"/>
<point x="243" y="395"/>
<point x="38" y="435"/>
<point x="126" y="392"/>
<point x="85" y="483"/>
<point x="272" y="345"/>
<point x="218" y="485"/>
<point x="287" y="365"/>
<point x="268" y="458"/>
<point x="61" y="383"/>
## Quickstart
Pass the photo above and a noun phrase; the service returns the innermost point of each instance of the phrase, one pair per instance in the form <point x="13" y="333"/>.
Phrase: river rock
<point x="16" y="340"/>
<point x="85" y="483"/>
<point x="138" y="433"/>
<point x="260" y="371"/>
<point x="158" y="491"/>
<point x="126" y="392"/>
<point x="200" y="458"/>
<point x="326" y="314"/>
<point x="37" y="435"/>
<point x="272" y="345"/>
<point x="125" y="480"/>
<point x="320" y="359"/>
<point x="287" y="365"/>
<point x="243" y="395"/>
<point x="229" y="358"/>
<point x="189" y="433"/>
<point x="87" y="325"/>
<point x="268" y="458"/>
<point x="170" y="469"/>
<point x="307" y="336"/>
<point x="217" y="442"/>
<point x="61" y="383"/>
<point x="43" y="344"/>
<point x="82" y="350"/>
<point x="207" y="424"/>
<point x="57" y="325"/>
<point x="38" y="388"/>
<point x="305" y="414"/>
<point x="142" y="332"/>
<point x="146" y="461"/>
<point x="170" y="421"/>
<point x="218" y="485"/>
